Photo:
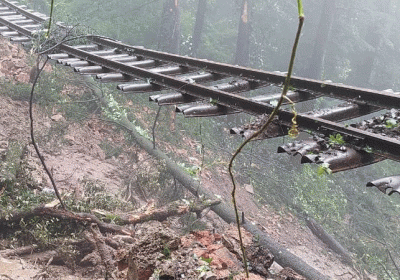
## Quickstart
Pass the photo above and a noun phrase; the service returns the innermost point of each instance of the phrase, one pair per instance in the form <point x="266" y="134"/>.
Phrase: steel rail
<point x="16" y="27"/>
<point x="387" y="146"/>
<point x="24" y="11"/>
<point x="372" y="97"/>
<point x="390" y="147"/>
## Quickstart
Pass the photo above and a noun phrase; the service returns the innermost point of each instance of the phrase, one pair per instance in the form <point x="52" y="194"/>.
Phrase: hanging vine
<point x="265" y="126"/>
<point x="51" y="17"/>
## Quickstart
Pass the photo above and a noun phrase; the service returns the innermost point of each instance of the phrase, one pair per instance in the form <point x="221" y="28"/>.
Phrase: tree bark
<point x="364" y="63"/>
<point x="169" y="38"/>
<point x="65" y="215"/>
<point x="178" y="208"/>
<point x="104" y="252"/>
<point x="26" y="250"/>
<point x="324" y="27"/>
<point x="329" y="240"/>
<point x="362" y="66"/>
<point x="170" y="210"/>
<point x="198" y="26"/>
<point x="243" y="41"/>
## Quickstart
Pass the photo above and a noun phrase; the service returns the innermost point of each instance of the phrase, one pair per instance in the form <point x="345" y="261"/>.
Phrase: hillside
<point x="99" y="170"/>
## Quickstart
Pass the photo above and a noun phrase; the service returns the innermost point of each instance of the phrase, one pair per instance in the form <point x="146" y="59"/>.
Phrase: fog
<point x="352" y="42"/>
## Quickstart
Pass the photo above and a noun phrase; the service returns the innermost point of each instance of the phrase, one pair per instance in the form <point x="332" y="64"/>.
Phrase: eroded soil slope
<point x="78" y="153"/>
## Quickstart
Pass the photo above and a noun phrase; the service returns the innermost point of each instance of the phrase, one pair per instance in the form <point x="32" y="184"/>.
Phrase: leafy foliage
<point x="113" y="111"/>
<point x="336" y="139"/>
<point x="391" y="123"/>
<point x="191" y="170"/>
<point x="317" y="198"/>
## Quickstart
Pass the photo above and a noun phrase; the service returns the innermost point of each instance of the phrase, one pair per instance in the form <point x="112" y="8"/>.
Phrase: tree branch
<point x="103" y="251"/>
<point x="39" y="70"/>
<point x="64" y="214"/>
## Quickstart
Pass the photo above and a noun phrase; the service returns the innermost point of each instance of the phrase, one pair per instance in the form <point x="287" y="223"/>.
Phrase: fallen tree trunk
<point x="178" y="208"/>
<point x="64" y="215"/>
<point x="329" y="240"/>
<point x="26" y="250"/>
<point x="282" y="256"/>
<point x="170" y="210"/>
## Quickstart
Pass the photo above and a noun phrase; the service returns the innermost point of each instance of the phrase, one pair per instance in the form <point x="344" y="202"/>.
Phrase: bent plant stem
<point x="66" y="40"/>
<point x="51" y="17"/>
<point x="154" y="127"/>
<point x="40" y="69"/>
<point x="263" y="128"/>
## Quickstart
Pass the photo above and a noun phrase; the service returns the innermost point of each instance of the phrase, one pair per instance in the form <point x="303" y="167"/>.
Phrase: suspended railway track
<point x="136" y="69"/>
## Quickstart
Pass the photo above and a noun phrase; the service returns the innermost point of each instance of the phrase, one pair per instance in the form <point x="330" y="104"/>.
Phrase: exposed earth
<point x="76" y="157"/>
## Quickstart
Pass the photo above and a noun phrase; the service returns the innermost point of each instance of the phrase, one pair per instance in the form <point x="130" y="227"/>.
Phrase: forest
<point x="356" y="43"/>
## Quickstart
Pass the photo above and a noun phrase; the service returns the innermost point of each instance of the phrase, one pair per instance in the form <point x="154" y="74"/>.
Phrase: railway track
<point x="202" y="88"/>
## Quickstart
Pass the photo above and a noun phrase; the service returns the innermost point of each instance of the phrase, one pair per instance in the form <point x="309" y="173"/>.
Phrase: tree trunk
<point x="169" y="38"/>
<point x="243" y="41"/>
<point x="198" y="26"/>
<point x="324" y="27"/>
<point x="362" y="66"/>
<point x="384" y="58"/>
<point x="377" y="29"/>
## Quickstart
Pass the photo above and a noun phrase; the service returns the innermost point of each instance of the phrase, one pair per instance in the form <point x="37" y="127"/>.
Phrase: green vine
<point x="264" y="127"/>
<point x="293" y="131"/>
<point x="51" y="17"/>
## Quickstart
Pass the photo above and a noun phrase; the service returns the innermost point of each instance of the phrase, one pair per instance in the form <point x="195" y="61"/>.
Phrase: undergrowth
<point x="46" y="232"/>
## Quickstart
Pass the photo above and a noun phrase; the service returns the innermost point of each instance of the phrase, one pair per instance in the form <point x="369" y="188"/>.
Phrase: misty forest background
<point x="351" y="42"/>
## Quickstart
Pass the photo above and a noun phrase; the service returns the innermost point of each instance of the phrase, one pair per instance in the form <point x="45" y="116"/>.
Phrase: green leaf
<point x="213" y="101"/>
<point x="391" y="123"/>
<point x="207" y="260"/>
<point x="324" y="169"/>
<point x="336" y="139"/>
<point x="369" y="149"/>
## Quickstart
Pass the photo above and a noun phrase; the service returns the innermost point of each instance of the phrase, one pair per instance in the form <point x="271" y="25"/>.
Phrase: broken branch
<point x="64" y="215"/>
<point x="172" y="209"/>
<point x="103" y="250"/>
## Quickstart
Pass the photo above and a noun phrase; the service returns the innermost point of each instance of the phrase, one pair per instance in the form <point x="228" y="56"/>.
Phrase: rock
<point x="249" y="188"/>
<point x="57" y="117"/>
<point x="70" y="139"/>
<point x="252" y="276"/>
<point x="22" y="78"/>
<point x="209" y="276"/>
<point x="91" y="259"/>
<point x="223" y="259"/>
<point x="124" y="238"/>
<point x="96" y="151"/>
<point x="156" y="248"/>
<point x="205" y="237"/>
<point x="223" y="274"/>
<point x="3" y="147"/>
<point x="260" y="259"/>
<point x="289" y="274"/>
